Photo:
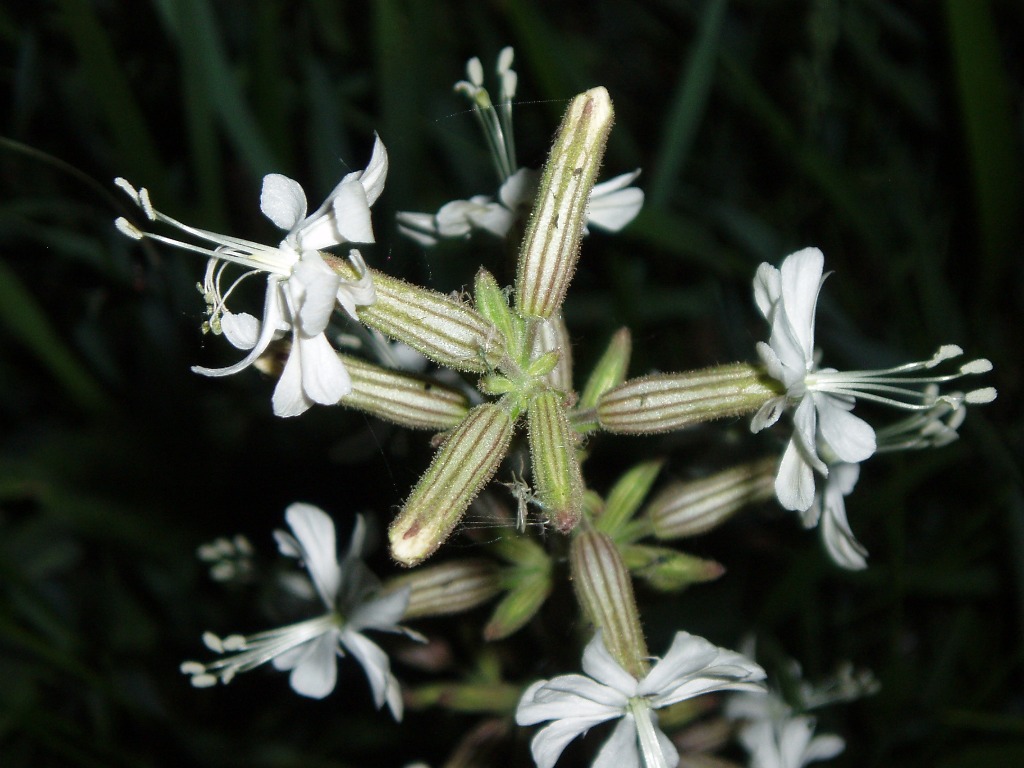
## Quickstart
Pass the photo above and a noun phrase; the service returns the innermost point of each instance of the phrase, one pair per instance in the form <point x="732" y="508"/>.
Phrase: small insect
<point x="524" y="495"/>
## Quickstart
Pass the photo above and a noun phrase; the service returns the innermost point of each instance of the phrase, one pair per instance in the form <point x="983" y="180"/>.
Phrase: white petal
<point x="852" y="438"/>
<point x="242" y="329"/>
<point x="600" y="665"/>
<point x="614" y="184"/>
<point x="378" y="670"/>
<point x="823" y="747"/>
<point x="794" y="484"/>
<point x="376" y="172"/>
<point x="841" y="544"/>
<point x="316" y="674"/>
<point x="569" y="696"/>
<point x="794" y="738"/>
<point x="493" y="218"/>
<point x="325" y="379"/>
<point x="620" y="749"/>
<point x="352" y="214"/>
<point x="314" y="533"/>
<point x="313" y="287"/>
<point x="805" y="432"/>
<point x="360" y="293"/>
<point x="800" y="275"/>
<point x="768" y="414"/>
<point x="549" y="742"/>
<point x="381" y="613"/>
<point x="519" y="189"/>
<point x="767" y="289"/>
<point x="282" y="200"/>
<point x="688" y="655"/>
<point x="288" y="398"/>
<point x="612" y="211"/>
<point x="453" y="218"/>
<point x="273" y="319"/>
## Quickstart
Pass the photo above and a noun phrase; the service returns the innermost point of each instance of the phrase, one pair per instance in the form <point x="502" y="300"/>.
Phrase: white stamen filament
<point x="254" y="650"/>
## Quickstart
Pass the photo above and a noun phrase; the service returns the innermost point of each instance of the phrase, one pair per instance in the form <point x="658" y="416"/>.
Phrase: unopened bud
<point x="691" y="508"/>
<point x="464" y="464"/>
<point x="664" y="402"/>
<point x="550" y="249"/>
<point x="411" y="401"/>
<point x="667" y="570"/>
<point x="441" y="328"/>
<point x="605" y="592"/>
<point x="556" y="470"/>
<point x="448" y="588"/>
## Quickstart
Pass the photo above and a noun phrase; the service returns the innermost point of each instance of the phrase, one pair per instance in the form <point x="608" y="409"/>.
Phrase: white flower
<point x="302" y="290"/>
<point x="309" y="649"/>
<point x="774" y="736"/>
<point x="824" y="397"/>
<point x="613" y="204"/>
<point x="829" y="509"/>
<point x="575" y="703"/>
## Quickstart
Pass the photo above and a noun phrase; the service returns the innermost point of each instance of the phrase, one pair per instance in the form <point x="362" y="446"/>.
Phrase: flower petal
<point x="314" y="533"/>
<point x="794" y="483"/>
<point x="693" y="667"/>
<point x="800" y="279"/>
<point x="382" y="613"/>
<point x="620" y="749"/>
<point x="850" y="437"/>
<point x="241" y="329"/>
<point x="840" y="543"/>
<point x="823" y="747"/>
<point x="550" y="741"/>
<point x="273" y="319"/>
<point x="288" y="398"/>
<point x="767" y="290"/>
<point x="376" y="172"/>
<point x="325" y="380"/>
<point x="361" y="292"/>
<point x="312" y="287"/>
<point x="610" y="207"/>
<point x="375" y="664"/>
<point x="282" y="200"/>
<point x="317" y="672"/>
<point x="600" y="665"/>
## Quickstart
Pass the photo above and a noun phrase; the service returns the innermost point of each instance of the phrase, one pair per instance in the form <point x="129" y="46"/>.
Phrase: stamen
<point x="129" y="189"/>
<point x="976" y="366"/>
<point x="475" y="71"/>
<point x="127" y="228"/>
<point x="981" y="396"/>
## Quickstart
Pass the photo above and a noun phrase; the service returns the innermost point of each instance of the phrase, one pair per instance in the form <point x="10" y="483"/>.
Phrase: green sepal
<point x="666" y="569"/>
<point x="626" y="496"/>
<point x="558" y="485"/>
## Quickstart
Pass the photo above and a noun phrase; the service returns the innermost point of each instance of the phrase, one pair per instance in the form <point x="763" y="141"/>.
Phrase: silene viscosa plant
<point x="503" y="382"/>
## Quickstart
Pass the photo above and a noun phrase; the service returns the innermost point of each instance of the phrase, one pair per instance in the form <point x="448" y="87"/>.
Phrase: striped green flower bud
<point x="664" y="402"/>
<point x="466" y="461"/>
<point x="668" y="570"/>
<point x="448" y="588"/>
<point x="438" y="326"/>
<point x="558" y="485"/>
<point x="690" y="508"/>
<point x="551" y="247"/>
<point x="605" y="592"/>
<point x="410" y="401"/>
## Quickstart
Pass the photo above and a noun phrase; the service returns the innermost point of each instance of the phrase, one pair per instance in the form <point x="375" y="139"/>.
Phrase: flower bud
<point x="610" y="370"/>
<point x="556" y="470"/>
<point x="528" y="593"/>
<point x="667" y="570"/>
<point x="626" y="496"/>
<point x="553" y="338"/>
<point x="605" y="592"/>
<point x="464" y="464"/>
<point x="410" y="401"/>
<point x="550" y="249"/>
<point x="452" y="587"/>
<point x="693" y="507"/>
<point x="439" y="327"/>
<point x="663" y="402"/>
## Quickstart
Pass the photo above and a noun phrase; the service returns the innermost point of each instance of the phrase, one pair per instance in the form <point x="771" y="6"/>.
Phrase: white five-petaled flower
<point x="824" y="397"/>
<point x="575" y="703"/>
<point x="613" y="203"/>
<point x="775" y="737"/>
<point x="302" y="290"/>
<point x="309" y="649"/>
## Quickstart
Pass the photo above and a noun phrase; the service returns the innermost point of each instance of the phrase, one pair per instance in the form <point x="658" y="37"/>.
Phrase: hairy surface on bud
<point x="668" y="570"/>
<point x="448" y="588"/>
<point x="693" y="507"/>
<point x="464" y="464"/>
<point x="411" y="401"/>
<point x="551" y="247"/>
<point x="553" y="336"/>
<point x="557" y="481"/>
<point x="610" y="370"/>
<point x="626" y="496"/>
<point x="663" y="402"/>
<point x="605" y="592"/>
<point x="441" y="328"/>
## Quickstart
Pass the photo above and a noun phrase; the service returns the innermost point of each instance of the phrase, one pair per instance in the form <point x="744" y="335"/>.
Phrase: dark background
<point x="888" y="134"/>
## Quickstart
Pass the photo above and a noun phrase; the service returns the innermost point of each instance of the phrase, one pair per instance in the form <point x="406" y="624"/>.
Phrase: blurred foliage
<point x="888" y="134"/>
